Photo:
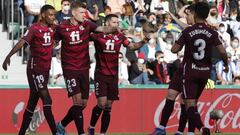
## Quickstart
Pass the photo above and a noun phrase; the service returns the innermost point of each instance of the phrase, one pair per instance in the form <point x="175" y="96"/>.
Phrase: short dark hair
<point x="65" y="0"/>
<point x="77" y="4"/>
<point x="158" y="52"/>
<point x="202" y="10"/>
<point x="45" y="8"/>
<point x="110" y="16"/>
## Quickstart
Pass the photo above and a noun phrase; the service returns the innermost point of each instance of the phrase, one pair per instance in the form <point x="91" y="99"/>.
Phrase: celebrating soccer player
<point x="192" y="76"/>
<point x="40" y="38"/>
<point x="106" y="73"/>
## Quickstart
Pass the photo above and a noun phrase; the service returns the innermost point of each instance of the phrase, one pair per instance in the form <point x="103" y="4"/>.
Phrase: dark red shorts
<point x="176" y="81"/>
<point x="190" y="84"/>
<point x="77" y="82"/>
<point x="106" y="86"/>
<point x="37" y="80"/>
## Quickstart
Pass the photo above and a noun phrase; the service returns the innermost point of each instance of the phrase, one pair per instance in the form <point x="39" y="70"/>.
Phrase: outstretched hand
<point x="6" y="63"/>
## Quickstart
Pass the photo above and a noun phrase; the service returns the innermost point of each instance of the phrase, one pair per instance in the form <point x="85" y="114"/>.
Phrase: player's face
<point x="49" y="16"/>
<point x="113" y="22"/>
<point x="79" y="14"/>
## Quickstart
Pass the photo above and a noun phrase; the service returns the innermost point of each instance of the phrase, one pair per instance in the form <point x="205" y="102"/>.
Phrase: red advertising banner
<point x="137" y="111"/>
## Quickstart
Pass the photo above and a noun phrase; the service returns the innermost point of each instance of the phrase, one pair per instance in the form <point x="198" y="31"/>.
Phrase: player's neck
<point x="200" y="20"/>
<point x="73" y="21"/>
<point x="43" y="23"/>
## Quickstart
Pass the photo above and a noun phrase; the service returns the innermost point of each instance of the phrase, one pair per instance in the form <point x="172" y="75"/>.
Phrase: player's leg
<point x="173" y="91"/>
<point x="101" y="95"/>
<point x="77" y="112"/>
<point x="96" y="113"/>
<point x="112" y="95"/>
<point x="106" y="116"/>
<point x="183" y="118"/>
<point x="28" y="113"/>
<point x="78" y="88"/>
<point x="190" y="96"/>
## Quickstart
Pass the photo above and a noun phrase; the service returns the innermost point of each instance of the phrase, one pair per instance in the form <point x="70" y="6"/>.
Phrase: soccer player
<point x="106" y="73"/>
<point x="192" y="76"/>
<point x="74" y="34"/>
<point x="40" y="38"/>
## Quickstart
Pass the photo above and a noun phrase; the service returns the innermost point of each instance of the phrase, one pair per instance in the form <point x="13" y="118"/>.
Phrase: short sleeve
<point x="181" y="39"/>
<point x="29" y="35"/>
<point x="57" y="36"/>
<point x="92" y="26"/>
<point x="218" y="40"/>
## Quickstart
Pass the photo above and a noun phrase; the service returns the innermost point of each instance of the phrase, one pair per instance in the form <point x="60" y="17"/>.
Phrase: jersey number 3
<point x="200" y="44"/>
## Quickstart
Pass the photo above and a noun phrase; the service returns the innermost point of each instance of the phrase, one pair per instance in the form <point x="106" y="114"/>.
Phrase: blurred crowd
<point x="153" y="63"/>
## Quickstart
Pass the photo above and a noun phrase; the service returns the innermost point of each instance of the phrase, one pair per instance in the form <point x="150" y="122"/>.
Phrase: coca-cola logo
<point x="227" y="102"/>
<point x="37" y="118"/>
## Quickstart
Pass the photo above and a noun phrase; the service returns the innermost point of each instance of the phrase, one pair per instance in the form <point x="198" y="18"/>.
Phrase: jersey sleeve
<point x="92" y="26"/>
<point x="125" y="41"/>
<point x="181" y="39"/>
<point x="57" y="36"/>
<point x="218" y="40"/>
<point x="29" y="35"/>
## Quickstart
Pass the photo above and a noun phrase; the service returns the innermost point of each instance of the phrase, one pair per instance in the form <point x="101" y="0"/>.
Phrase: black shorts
<point x="77" y="82"/>
<point x="106" y="86"/>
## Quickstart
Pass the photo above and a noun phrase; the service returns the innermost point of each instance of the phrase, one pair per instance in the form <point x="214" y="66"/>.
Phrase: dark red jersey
<point x="75" y="44"/>
<point x="40" y="39"/>
<point x="107" y="51"/>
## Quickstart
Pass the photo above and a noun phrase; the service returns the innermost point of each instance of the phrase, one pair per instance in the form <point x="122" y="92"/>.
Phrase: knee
<point x="172" y="94"/>
<point x="47" y="101"/>
<point x="107" y="109"/>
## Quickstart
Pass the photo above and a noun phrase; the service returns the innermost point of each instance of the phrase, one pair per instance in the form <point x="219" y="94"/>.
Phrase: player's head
<point x="48" y="14"/>
<point x="189" y="11"/>
<point x="78" y="11"/>
<point x="112" y="20"/>
<point x="201" y="10"/>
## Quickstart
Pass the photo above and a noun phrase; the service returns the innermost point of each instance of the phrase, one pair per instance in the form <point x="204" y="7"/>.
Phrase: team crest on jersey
<point x="116" y="38"/>
<point x="81" y="27"/>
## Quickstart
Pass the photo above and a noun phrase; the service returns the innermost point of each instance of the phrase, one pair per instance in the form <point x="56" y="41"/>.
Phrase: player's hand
<point x="226" y="68"/>
<point x="6" y="63"/>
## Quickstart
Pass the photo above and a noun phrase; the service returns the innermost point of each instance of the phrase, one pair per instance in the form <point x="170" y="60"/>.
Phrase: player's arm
<point x="223" y="54"/>
<point x="136" y="46"/>
<point x="176" y="48"/>
<point x="16" y="48"/>
<point x="180" y="23"/>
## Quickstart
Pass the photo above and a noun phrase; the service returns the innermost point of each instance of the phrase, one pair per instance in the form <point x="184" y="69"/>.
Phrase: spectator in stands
<point x="166" y="45"/>
<point x="159" y="67"/>
<point x="237" y="80"/>
<point x="33" y="9"/>
<point x="226" y="78"/>
<point x="122" y="71"/>
<point x="56" y="70"/>
<point x="234" y="49"/>
<point x="139" y="73"/>
<point x="64" y="13"/>
<point x="107" y="11"/>
<point x="116" y="5"/>
<point x="150" y="48"/>
<point x="126" y="16"/>
<point x="157" y="4"/>
<point x="222" y="30"/>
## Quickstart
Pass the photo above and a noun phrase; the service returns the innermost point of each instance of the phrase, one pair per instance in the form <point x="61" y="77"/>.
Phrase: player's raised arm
<point x="16" y="48"/>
